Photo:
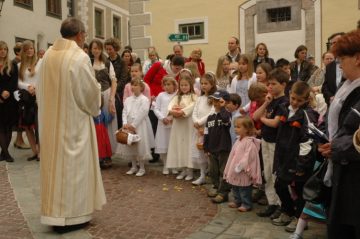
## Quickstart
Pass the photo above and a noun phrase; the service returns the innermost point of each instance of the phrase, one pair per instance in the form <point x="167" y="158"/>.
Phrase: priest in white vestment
<point x="68" y="97"/>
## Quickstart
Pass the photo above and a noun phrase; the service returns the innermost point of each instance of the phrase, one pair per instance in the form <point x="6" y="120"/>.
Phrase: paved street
<point x="154" y="206"/>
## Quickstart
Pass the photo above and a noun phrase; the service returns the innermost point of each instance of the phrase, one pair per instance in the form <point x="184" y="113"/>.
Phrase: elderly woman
<point x="343" y="121"/>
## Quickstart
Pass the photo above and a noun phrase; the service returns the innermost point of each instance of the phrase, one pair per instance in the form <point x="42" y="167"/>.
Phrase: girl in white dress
<point x="240" y="84"/>
<point x="203" y="107"/>
<point x="135" y="119"/>
<point x="181" y="108"/>
<point x="165" y="121"/>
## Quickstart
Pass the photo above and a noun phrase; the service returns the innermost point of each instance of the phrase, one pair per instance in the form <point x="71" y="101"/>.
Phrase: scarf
<point x="333" y="118"/>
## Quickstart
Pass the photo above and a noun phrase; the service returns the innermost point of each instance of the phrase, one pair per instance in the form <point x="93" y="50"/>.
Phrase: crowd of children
<point x="247" y="130"/>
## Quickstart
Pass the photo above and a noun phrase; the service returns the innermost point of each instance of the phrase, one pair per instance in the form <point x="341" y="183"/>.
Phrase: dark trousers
<point x="217" y="165"/>
<point x="153" y="121"/>
<point x="288" y="205"/>
<point x="119" y="109"/>
<point x="243" y="196"/>
<point x="339" y="231"/>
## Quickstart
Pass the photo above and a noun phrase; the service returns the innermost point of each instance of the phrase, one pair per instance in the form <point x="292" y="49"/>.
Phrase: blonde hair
<point x="248" y="60"/>
<point x="170" y="79"/>
<point x="192" y="66"/>
<point x="257" y="91"/>
<point x="247" y="123"/>
<point x="6" y="63"/>
<point x="210" y="77"/>
<point x="219" y="69"/>
<point x="26" y="61"/>
<point x="138" y="81"/>
<point x="188" y="78"/>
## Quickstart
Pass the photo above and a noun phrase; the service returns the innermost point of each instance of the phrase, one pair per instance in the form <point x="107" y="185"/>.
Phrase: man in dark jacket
<point x="333" y="73"/>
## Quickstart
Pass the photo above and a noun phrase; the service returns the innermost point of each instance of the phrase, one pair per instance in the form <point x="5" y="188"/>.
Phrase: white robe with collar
<point x="68" y="97"/>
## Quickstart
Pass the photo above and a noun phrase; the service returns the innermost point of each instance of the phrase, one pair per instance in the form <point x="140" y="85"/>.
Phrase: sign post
<point x="178" y="37"/>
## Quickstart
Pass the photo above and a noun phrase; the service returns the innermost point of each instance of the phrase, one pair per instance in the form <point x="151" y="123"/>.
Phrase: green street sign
<point x="178" y="37"/>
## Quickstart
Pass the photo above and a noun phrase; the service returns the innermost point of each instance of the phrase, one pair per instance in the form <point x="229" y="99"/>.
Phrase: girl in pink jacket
<point x="243" y="166"/>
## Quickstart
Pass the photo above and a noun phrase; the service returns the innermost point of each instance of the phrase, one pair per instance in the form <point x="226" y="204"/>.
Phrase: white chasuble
<point x="68" y="97"/>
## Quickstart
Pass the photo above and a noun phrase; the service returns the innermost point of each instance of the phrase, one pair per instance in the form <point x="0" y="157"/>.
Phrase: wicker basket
<point x="121" y="136"/>
<point x="200" y="146"/>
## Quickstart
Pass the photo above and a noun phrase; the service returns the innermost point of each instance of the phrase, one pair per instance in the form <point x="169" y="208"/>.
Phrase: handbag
<point x="315" y="190"/>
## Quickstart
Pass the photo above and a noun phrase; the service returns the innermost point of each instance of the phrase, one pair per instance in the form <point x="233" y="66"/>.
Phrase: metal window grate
<point x="281" y="14"/>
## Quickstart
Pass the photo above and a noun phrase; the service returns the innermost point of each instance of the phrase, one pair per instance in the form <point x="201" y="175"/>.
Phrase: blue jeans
<point x="243" y="196"/>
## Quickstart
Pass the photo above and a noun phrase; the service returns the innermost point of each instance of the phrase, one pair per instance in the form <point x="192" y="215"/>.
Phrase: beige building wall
<point x="110" y="8"/>
<point x="222" y="17"/>
<point x="338" y="16"/>
<point x="33" y="24"/>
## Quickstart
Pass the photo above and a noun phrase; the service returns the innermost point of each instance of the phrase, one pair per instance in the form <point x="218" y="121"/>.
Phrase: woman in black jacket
<point x="8" y="106"/>
<point x="262" y="55"/>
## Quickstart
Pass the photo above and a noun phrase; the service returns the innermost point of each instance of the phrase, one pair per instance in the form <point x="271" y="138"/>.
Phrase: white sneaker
<point x="140" y="173"/>
<point x="199" y="181"/>
<point x="182" y="175"/>
<point x="189" y="177"/>
<point x="174" y="171"/>
<point x="131" y="171"/>
<point x="165" y="171"/>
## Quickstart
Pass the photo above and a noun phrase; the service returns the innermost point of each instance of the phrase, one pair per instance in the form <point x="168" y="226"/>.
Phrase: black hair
<point x="281" y="63"/>
<point x="279" y="75"/>
<point x="178" y="61"/>
<point x="235" y="99"/>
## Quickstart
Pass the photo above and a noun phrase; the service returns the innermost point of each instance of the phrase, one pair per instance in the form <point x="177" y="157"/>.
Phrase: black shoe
<point x="276" y="214"/>
<point x="155" y="158"/>
<point x="2" y="157"/>
<point x="267" y="211"/>
<point x="65" y="229"/>
<point x="34" y="157"/>
<point x="9" y="159"/>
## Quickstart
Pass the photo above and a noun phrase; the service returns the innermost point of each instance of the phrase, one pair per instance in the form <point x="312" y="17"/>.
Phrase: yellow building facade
<point x="252" y="21"/>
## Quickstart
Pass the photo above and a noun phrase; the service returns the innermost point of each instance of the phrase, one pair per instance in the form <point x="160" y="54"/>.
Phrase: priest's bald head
<point x="73" y="29"/>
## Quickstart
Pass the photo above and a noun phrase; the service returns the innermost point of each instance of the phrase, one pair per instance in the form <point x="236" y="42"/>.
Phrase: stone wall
<point x="138" y="20"/>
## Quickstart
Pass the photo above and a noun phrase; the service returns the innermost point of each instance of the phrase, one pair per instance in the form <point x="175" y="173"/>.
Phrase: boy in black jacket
<point x="293" y="161"/>
<point x="217" y="144"/>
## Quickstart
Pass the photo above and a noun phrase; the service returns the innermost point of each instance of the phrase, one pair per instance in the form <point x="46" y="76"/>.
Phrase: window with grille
<point x="117" y="27"/>
<point x="99" y="23"/>
<point x="281" y="14"/>
<point x="24" y="3"/>
<point x="53" y="8"/>
<point x="195" y="30"/>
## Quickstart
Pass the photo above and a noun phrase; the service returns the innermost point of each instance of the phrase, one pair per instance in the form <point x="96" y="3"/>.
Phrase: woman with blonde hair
<point x="8" y="106"/>
<point x="28" y="78"/>
<point x="223" y="74"/>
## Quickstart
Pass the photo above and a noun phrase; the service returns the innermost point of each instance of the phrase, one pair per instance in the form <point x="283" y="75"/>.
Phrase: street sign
<point x="178" y="37"/>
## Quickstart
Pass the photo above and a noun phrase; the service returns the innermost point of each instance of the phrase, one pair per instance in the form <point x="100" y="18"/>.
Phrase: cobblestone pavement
<point x="153" y="206"/>
<point x="12" y="222"/>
